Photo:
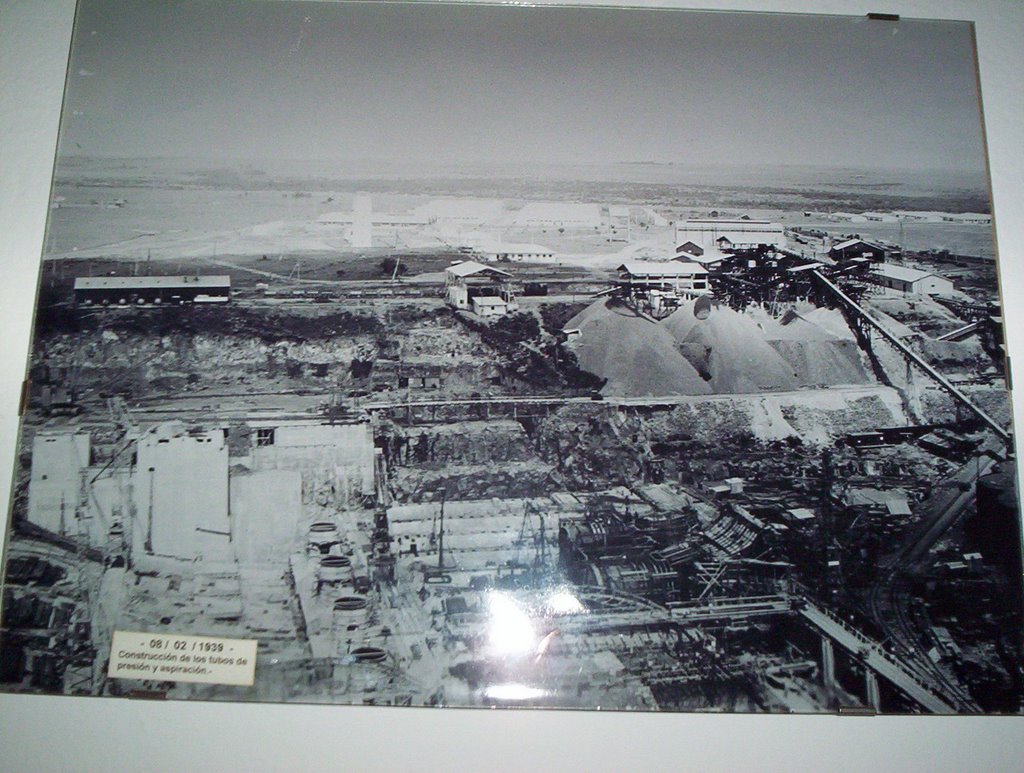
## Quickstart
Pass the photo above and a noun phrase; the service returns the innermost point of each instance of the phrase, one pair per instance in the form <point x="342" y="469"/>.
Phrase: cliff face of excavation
<point x="591" y="447"/>
<point x="466" y="459"/>
<point x="145" y="364"/>
<point x="729" y="352"/>
<point x="132" y="351"/>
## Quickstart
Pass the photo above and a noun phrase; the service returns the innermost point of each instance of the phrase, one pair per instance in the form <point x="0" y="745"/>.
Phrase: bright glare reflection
<point x="513" y="692"/>
<point x="510" y="630"/>
<point x="563" y="602"/>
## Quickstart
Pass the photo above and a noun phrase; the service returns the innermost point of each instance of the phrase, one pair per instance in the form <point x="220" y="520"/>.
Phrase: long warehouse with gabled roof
<point x="146" y="290"/>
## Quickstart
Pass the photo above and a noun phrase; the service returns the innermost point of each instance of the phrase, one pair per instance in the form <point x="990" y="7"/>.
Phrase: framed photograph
<point x="458" y="355"/>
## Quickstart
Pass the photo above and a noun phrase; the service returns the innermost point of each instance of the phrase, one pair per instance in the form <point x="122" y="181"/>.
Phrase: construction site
<point x="759" y="483"/>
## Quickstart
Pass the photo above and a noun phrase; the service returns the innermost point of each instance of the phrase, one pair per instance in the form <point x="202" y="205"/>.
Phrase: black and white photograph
<point x="457" y="355"/>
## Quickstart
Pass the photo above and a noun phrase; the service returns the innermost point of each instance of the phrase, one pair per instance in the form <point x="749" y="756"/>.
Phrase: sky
<point x="459" y="84"/>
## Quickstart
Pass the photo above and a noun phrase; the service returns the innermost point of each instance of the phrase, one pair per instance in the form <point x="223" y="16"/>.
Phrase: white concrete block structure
<point x="55" y="483"/>
<point x="181" y="493"/>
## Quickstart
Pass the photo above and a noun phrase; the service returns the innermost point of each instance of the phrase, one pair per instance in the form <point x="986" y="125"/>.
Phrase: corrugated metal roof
<point x="150" y="282"/>
<point x="851" y="242"/>
<point x="668" y="268"/>
<point x="895" y="501"/>
<point x="902" y="273"/>
<point x="470" y="267"/>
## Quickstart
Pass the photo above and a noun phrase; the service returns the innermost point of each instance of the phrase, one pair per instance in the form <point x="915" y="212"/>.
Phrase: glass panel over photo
<point x="464" y="355"/>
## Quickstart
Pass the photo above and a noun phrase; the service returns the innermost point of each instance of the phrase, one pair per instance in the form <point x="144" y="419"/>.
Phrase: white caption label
<point x="177" y="658"/>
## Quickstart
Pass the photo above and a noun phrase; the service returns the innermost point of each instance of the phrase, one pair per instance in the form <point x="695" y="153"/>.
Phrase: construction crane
<point x="438" y="573"/>
<point x="528" y="534"/>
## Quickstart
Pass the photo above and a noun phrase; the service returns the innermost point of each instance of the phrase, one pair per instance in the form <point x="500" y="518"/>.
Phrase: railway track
<point x="891" y="604"/>
<point x="891" y="601"/>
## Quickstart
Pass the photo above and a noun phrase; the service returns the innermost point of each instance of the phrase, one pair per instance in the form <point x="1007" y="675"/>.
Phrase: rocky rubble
<point x="473" y="481"/>
<point x="464" y="442"/>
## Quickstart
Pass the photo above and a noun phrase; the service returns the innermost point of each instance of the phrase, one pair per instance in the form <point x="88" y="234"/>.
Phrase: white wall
<point x="930" y="285"/>
<point x="266" y="509"/>
<point x="337" y="455"/>
<point x="182" y="483"/>
<point x="55" y="482"/>
<point x="44" y="734"/>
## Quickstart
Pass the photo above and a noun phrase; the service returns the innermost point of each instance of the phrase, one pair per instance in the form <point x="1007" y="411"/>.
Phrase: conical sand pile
<point x="817" y="355"/>
<point x="728" y="353"/>
<point x="638" y="357"/>
<point x="732" y="350"/>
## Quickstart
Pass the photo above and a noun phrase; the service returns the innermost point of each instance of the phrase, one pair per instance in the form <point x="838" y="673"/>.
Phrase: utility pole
<point x="149" y="525"/>
<point x="440" y="538"/>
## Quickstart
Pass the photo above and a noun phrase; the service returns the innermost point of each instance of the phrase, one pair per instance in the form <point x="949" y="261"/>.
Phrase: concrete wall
<point x="336" y="460"/>
<point x="266" y="510"/>
<point x="457" y="296"/>
<point x="181" y="495"/>
<point x="55" y="481"/>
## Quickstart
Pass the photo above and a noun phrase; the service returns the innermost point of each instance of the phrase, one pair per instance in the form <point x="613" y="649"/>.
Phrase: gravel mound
<point x="638" y="357"/>
<point x="731" y="348"/>
<point x="730" y="352"/>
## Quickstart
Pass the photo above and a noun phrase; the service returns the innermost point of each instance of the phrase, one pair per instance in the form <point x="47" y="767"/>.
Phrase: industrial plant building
<point x="549" y="214"/>
<point x="910" y="280"/>
<point x="151" y="290"/>
<point x="857" y="248"/>
<point x="684" y="279"/>
<point x="730" y="235"/>
<point x="463" y="211"/>
<point x="485" y="290"/>
<point x="494" y="251"/>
